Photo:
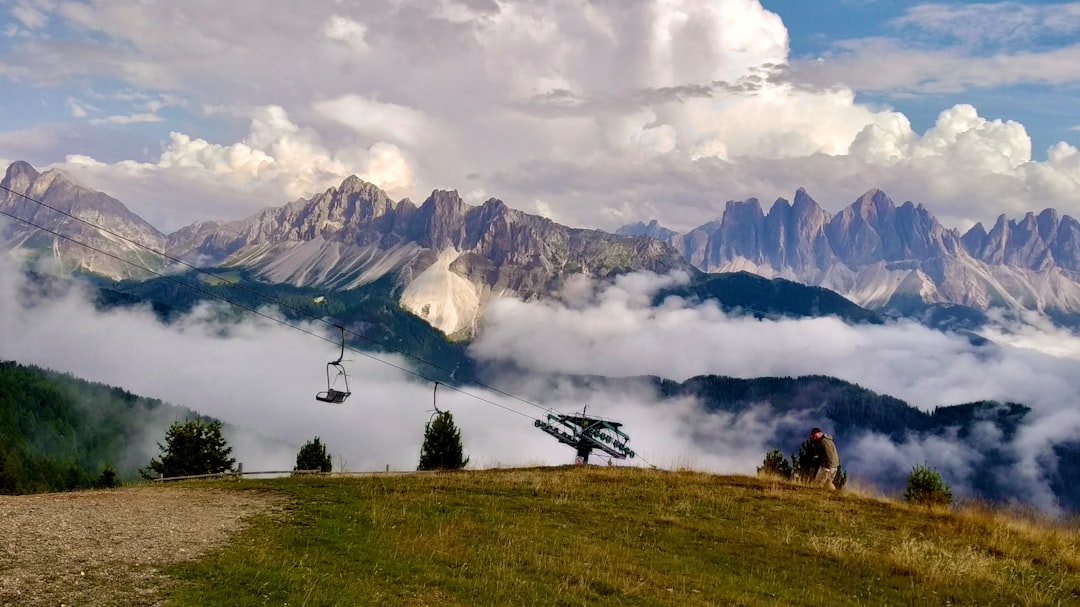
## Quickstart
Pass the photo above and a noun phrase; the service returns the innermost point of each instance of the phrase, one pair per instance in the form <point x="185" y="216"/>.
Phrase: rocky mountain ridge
<point x="22" y="185"/>
<point x="451" y="258"/>
<point x="881" y="255"/>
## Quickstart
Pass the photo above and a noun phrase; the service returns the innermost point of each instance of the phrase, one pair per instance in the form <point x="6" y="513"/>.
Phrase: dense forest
<point x="59" y="433"/>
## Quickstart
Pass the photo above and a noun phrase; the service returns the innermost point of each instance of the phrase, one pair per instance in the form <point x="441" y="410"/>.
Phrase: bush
<point x="191" y="447"/>
<point x="313" y="456"/>
<point x="776" y="465"/>
<point x="925" y="487"/>
<point x="108" y="479"/>
<point x="442" y="445"/>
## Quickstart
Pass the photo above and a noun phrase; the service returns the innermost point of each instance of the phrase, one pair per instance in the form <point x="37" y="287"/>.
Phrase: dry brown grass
<point x="91" y="548"/>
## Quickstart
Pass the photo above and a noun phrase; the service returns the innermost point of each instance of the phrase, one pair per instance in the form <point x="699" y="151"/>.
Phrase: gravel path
<point x="105" y="547"/>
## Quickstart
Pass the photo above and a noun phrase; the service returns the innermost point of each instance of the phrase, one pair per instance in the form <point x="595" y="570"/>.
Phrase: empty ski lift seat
<point x="332" y="396"/>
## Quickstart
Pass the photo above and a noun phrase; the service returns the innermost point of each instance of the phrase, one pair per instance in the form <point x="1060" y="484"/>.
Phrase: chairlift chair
<point x="332" y="394"/>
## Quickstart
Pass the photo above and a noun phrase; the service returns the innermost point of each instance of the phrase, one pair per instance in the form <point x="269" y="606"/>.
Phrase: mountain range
<point x="889" y="257"/>
<point x="450" y="259"/>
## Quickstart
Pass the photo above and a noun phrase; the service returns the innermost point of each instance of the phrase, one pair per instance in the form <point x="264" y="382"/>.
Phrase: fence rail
<point x="240" y="473"/>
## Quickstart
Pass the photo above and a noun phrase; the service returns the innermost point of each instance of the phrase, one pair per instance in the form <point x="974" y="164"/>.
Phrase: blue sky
<point x="1049" y="112"/>
<point x="595" y="114"/>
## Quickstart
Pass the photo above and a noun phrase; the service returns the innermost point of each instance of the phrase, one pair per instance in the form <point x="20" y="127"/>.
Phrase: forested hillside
<point x="59" y="433"/>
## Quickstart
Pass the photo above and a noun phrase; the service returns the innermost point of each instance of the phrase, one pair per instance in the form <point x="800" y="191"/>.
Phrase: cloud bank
<point x="594" y="114"/>
<point x="611" y="330"/>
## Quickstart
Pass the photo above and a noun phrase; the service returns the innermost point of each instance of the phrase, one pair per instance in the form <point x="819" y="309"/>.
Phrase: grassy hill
<point x="622" y="536"/>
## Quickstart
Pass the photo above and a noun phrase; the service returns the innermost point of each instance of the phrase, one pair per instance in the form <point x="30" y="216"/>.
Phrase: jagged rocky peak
<point x="653" y="229"/>
<point x="367" y="199"/>
<point x="19" y="176"/>
<point x="442" y="220"/>
<point x="807" y="210"/>
<point x="354" y="201"/>
<point x="1047" y="222"/>
<point x="56" y="190"/>
<point x="873" y="202"/>
<point x="743" y="209"/>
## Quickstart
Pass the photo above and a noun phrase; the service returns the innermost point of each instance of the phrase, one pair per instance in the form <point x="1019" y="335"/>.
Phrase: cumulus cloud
<point x="599" y="114"/>
<point x="276" y="162"/>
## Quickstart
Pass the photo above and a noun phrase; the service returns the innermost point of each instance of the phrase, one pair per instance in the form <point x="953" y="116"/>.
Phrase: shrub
<point x="775" y="465"/>
<point x="925" y="487"/>
<point x="313" y="456"/>
<point x="108" y="479"/>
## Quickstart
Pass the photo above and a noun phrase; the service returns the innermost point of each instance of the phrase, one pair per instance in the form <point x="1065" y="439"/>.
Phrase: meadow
<point x="622" y="536"/>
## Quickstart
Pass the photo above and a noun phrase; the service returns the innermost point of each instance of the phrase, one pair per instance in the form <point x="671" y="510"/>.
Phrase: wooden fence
<point x="239" y="473"/>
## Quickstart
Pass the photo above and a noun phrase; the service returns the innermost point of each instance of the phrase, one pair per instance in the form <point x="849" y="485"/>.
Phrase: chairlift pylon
<point x="332" y="394"/>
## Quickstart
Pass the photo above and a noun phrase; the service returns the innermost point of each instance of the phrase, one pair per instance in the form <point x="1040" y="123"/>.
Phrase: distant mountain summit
<point x="881" y="255"/>
<point x="452" y="258"/>
<point x="22" y="185"/>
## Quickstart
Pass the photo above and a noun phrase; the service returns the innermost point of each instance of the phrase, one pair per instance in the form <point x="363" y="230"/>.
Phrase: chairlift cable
<point x="262" y="314"/>
<point x="281" y="304"/>
<point x="255" y="292"/>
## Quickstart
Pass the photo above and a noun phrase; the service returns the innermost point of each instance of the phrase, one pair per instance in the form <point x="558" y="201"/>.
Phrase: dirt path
<point x="106" y="547"/>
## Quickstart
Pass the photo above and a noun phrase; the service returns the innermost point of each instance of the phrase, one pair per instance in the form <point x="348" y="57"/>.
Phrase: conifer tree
<point x="108" y="479"/>
<point x="442" y="445"/>
<point x="926" y="487"/>
<point x="775" y="465"/>
<point x="191" y="447"/>
<point x="313" y="456"/>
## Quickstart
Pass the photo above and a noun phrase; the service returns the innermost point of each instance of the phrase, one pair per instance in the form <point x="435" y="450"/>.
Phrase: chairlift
<point x="332" y="394"/>
<point x="435" y="404"/>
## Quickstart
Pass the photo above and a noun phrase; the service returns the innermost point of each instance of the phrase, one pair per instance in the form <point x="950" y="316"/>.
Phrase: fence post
<point x="240" y="470"/>
<point x="388" y="467"/>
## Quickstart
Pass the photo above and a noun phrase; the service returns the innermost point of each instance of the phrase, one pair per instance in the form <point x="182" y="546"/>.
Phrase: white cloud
<point x="992" y="23"/>
<point x="347" y="31"/>
<point x="128" y="119"/>
<point x="31" y="16"/>
<point x="262" y="376"/>
<point x="607" y="113"/>
<point x="277" y="159"/>
<point x="380" y="121"/>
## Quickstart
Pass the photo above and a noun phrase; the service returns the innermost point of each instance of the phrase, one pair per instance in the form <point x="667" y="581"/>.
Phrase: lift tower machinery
<point x="585" y="433"/>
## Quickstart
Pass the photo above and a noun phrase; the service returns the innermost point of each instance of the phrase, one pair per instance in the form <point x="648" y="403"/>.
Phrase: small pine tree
<point x="108" y="479"/>
<point x="775" y="465"/>
<point x="926" y="487"/>
<point x="313" y="456"/>
<point x="442" y="445"/>
<point x="191" y="447"/>
<point x="804" y="463"/>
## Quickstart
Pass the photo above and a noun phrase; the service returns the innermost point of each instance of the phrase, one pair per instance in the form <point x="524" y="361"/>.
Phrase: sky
<point x="595" y="114"/>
